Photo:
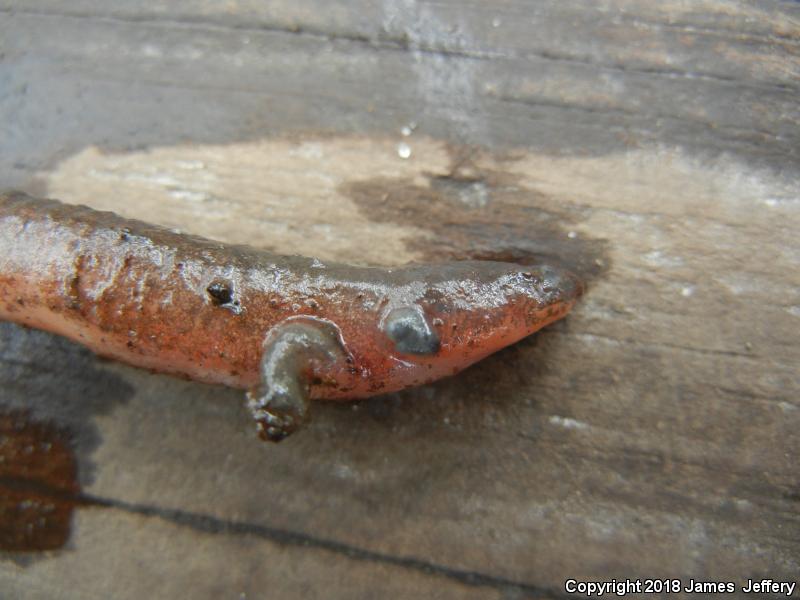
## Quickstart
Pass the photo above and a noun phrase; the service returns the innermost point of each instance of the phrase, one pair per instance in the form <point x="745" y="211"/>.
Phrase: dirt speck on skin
<point x="478" y="213"/>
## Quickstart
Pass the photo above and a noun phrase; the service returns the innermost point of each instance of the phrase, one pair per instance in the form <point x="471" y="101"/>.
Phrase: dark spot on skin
<point x="74" y="292"/>
<point x="129" y="344"/>
<point x="376" y="386"/>
<point x="410" y="332"/>
<point x="220" y="292"/>
<point x="437" y="301"/>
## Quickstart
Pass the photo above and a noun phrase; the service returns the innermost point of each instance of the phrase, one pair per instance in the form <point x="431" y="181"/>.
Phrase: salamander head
<point x="432" y="321"/>
<point x="465" y="311"/>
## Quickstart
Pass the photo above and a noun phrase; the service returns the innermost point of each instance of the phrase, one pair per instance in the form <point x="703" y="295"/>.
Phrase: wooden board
<point x="652" y="147"/>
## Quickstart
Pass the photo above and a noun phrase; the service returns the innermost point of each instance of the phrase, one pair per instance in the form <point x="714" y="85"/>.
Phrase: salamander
<point x="287" y="329"/>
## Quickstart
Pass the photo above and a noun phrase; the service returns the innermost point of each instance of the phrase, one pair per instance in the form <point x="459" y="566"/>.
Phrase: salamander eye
<point x="410" y="332"/>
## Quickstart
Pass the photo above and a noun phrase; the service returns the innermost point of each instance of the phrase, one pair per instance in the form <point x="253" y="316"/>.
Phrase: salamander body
<point x="287" y="328"/>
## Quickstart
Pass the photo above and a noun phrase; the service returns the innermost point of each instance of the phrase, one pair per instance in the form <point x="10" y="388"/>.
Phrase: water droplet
<point x="572" y="235"/>
<point x="496" y="22"/>
<point x="687" y="291"/>
<point x="407" y="130"/>
<point x="403" y="150"/>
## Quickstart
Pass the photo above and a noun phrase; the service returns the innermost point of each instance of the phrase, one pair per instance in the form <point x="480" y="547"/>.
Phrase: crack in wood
<point x="402" y="43"/>
<point x="210" y="524"/>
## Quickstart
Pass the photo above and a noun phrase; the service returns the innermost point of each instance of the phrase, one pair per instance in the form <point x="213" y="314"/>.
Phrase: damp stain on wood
<point x="39" y="486"/>
<point x="56" y="381"/>
<point x="478" y="213"/>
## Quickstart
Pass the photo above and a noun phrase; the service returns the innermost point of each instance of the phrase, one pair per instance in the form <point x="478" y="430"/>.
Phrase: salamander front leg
<point x="292" y="352"/>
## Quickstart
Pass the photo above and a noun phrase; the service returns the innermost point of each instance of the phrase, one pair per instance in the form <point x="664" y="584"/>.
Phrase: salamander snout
<point x="538" y="295"/>
<point x="546" y="285"/>
<point x="556" y="281"/>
